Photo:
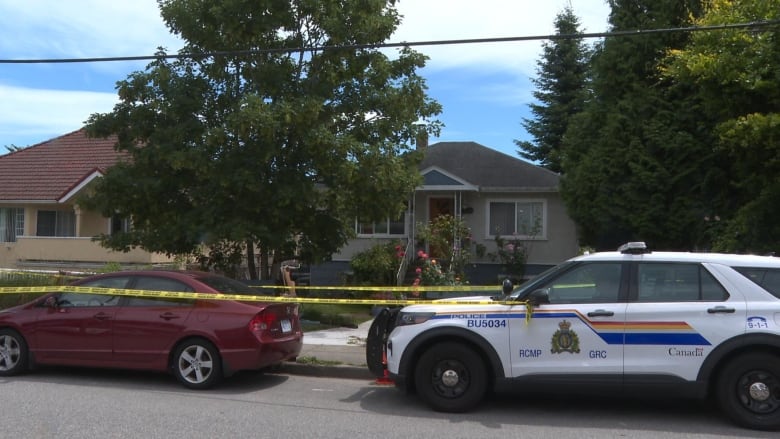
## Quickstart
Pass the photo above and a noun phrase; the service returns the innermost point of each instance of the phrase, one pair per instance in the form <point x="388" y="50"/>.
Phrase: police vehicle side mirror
<point x="538" y="297"/>
<point x="507" y="286"/>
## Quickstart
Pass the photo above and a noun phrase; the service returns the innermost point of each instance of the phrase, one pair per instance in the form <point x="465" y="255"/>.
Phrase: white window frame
<point x="542" y="233"/>
<point x="387" y="227"/>
<point x="18" y="223"/>
<point x="127" y="224"/>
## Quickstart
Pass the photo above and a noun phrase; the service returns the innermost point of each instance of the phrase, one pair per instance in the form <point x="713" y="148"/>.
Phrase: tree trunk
<point x="250" y="259"/>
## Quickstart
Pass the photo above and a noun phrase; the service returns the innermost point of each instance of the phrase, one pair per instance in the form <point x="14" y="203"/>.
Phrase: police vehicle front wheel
<point x="748" y="391"/>
<point x="451" y="377"/>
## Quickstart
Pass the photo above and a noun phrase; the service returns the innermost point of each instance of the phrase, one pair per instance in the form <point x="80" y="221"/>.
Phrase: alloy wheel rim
<point x="195" y="364"/>
<point x="9" y="352"/>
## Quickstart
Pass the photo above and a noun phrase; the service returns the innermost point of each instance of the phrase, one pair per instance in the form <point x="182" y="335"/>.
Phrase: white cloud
<point x="36" y="110"/>
<point x="430" y="20"/>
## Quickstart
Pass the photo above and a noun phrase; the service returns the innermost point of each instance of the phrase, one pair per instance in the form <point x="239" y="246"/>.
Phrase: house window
<point x="11" y="223"/>
<point x="387" y="227"/>
<point x="119" y="225"/>
<point x="56" y="223"/>
<point x="518" y="218"/>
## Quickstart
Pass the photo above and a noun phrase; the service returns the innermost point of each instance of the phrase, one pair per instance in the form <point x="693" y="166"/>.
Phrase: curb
<point x="327" y="371"/>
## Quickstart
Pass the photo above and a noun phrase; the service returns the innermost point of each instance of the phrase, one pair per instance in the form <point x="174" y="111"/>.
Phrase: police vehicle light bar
<point x="633" y="248"/>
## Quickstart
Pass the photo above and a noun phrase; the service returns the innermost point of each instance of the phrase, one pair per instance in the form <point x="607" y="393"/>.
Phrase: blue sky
<point x="484" y="89"/>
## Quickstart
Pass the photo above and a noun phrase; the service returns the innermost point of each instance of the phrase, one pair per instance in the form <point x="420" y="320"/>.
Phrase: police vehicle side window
<point x="766" y="278"/>
<point x="677" y="282"/>
<point x="597" y="282"/>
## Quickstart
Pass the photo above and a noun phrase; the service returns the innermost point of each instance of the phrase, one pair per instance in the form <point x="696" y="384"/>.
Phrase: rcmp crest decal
<point x="565" y="340"/>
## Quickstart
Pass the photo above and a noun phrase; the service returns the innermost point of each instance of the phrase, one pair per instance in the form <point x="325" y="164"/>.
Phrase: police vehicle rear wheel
<point x="451" y="377"/>
<point x="748" y="390"/>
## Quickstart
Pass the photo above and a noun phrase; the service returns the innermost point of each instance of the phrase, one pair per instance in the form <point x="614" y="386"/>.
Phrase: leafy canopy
<point x="260" y="143"/>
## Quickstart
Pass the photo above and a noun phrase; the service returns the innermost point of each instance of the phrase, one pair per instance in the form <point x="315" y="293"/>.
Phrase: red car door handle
<point x="168" y="316"/>
<point x="102" y="316"/>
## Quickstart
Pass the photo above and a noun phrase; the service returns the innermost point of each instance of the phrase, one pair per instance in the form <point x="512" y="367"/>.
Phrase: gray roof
<point x="488" y="169"/>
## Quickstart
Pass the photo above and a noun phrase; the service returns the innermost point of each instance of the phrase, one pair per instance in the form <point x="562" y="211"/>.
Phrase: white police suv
<point x="685" y="324"/>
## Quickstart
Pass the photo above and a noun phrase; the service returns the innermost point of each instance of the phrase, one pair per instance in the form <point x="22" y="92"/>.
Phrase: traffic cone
<point x="385" y="379"/>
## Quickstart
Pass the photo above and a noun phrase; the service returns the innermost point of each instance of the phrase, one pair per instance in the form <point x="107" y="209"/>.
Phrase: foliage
<point x="22" y="279"/>
<point x="562" y="75"/>
<point x="260" y="135"/>
<point x="450" y="239"/>
<point x="378" y="265"/>
<point x="429" y="271"/>
<point x="512" y="253"/>
<point x="736" y="73"/>
<point x="223" y="257"/>
<point x="637" y="161"/>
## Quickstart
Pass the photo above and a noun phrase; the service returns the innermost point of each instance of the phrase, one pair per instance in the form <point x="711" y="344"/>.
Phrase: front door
<point x="78" y="331"/>
<point x="439" y="206"/>
<point x="581" y="329"/>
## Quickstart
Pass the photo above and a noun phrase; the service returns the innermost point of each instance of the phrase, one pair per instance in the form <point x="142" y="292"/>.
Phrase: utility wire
<point x="755" y="25"/>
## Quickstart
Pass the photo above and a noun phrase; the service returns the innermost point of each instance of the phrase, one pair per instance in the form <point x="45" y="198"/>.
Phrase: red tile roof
<point x="49" y="170"/>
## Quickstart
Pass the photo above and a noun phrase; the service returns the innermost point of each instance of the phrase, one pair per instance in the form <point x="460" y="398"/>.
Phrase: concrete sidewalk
<point x="335" y="352"/>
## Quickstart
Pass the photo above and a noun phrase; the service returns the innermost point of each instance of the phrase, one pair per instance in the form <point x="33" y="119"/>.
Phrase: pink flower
<point x="420" y="254"/>
<point x="418" y="270"/>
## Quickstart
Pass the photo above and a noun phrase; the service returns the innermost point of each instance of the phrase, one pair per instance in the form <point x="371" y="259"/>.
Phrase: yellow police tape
<point x="220" y="296"/>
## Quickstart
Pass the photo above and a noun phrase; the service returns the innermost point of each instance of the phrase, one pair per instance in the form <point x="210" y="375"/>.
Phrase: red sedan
<point x="199" y="341"/>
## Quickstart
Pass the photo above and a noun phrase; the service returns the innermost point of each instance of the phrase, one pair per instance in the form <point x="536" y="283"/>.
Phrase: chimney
<point x="422" y="137"/>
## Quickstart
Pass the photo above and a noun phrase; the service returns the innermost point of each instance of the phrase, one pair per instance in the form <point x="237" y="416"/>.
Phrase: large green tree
<point x="264" y="128"/>
<point x="737" y="74"/>
<point x="561" y="84"/>
<point x="632" y="159"/>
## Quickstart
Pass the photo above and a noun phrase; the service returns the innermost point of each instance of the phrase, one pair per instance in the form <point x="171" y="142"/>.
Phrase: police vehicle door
<point x="678" y="314"/>
<point x="580" y="330"/>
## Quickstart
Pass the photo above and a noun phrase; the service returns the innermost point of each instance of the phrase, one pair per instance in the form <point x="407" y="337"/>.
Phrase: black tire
<point x="451" y="377"/>
<point x="748" y="391"/>
<point x="13" y="353"/>
<point x="197" y="364"/>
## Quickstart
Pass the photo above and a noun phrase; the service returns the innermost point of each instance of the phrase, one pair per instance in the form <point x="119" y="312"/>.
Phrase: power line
<point x="755" y="25"/>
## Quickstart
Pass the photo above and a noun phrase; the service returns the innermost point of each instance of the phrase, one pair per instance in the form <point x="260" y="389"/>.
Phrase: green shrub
<point x="377" y="265"/>
<point x="22" y="279"/>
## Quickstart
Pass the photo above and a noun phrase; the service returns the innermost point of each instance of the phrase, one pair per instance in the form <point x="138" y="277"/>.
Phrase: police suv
<point x="686" y="324"/>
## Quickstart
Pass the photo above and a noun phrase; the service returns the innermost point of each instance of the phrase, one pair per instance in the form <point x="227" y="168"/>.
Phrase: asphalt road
<point x="77" y="403"/>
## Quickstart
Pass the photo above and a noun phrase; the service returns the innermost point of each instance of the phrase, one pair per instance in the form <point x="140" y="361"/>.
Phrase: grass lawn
<point x="316" y="316"/>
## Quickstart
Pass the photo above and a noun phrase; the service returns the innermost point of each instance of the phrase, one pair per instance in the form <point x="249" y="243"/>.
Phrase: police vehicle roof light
<point x="633" y="248"/>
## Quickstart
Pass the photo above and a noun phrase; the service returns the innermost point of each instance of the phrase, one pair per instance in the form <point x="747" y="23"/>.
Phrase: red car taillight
<point x="263" y="321"/>
<point x="275" y="321"/>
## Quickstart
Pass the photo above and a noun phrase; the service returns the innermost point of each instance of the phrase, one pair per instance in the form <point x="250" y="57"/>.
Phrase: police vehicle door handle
<point x="721" y="310"/>
<point x="601" y="313"/>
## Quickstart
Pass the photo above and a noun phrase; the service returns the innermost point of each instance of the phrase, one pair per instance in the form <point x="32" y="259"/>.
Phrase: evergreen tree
<point x="737" y="74"/>
<point x="561" y="81"/>
<point x="632" y="157"/>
